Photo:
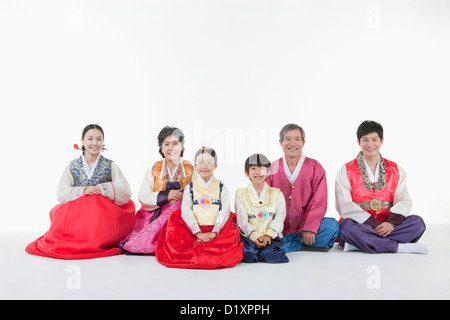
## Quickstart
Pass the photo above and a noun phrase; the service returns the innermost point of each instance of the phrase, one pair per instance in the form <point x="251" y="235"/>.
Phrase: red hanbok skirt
<point x="177" y="247"/>
<point x="88" y="227"/>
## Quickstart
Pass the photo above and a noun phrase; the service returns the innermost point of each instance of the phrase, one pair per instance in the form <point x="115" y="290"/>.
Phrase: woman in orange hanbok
<point x="160" y="193"/>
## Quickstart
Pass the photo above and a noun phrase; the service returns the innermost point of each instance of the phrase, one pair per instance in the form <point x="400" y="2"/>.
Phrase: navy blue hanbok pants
<point x="270" y="253"/>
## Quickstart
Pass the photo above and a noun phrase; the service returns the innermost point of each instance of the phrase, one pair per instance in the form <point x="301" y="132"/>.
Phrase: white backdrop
<point x="228" y="73"/>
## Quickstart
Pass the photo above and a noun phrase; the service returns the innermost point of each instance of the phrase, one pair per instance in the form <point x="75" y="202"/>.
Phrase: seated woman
<point x="203" y="234"/>
<point x="95" y="210"/>
<point x="160" y="193"/>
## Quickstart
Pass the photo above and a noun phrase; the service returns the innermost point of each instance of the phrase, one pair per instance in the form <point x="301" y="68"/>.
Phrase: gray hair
<point x="291" y="126"/>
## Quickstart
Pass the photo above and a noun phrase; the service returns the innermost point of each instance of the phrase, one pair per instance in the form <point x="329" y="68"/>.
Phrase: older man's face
<point x="292" y="143"/>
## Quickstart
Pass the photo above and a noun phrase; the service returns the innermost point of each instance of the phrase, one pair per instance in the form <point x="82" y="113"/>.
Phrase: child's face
<point x="257" y="175"/>
<point x="205" y="165"/>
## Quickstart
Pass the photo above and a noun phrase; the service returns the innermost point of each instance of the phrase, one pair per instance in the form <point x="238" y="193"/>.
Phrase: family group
<point x="186" y="221"/>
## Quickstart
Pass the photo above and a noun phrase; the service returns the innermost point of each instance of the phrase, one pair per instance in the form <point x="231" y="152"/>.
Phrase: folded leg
<point x="365" y="238"/>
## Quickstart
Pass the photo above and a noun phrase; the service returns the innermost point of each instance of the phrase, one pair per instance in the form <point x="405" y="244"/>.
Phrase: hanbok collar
<point x="293" y="176"/>
<point x="206" y="184"/>
<point x="257" y="200"/>
<point x="171" y="175"/>
<point x="373" y="177"/>
<point x="255" y="194"/>
<point x="89" y="172"/>
<point x="367" y="174"/>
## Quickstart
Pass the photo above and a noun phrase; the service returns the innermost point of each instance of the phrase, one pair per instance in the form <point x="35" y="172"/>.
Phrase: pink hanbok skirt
<point x="144" y="234"/>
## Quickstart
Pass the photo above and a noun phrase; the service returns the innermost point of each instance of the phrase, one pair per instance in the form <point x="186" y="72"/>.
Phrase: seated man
<point x="303" y="183"/>
<point x="372" y="199"/>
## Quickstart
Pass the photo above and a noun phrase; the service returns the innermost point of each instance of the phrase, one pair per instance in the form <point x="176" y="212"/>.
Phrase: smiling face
<point x="257" y="175"/>
<point x="205" y="165"/>
<point x="171" y="148"/>
<point x="93" y="142"/>
<point x="370" y="145"/>
<point x="292" y="144"/>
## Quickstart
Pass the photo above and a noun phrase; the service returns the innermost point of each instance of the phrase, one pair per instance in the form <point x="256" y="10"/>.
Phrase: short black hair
<point x="203" y="150"/>
<point x="258" y="160"/>
<point x="168" y="131"/>
<point x="369" y="126"/>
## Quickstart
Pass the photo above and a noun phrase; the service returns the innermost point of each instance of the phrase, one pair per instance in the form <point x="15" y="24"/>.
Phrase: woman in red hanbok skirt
<point x="95" y="210"/>
<point x="203" y="234"/>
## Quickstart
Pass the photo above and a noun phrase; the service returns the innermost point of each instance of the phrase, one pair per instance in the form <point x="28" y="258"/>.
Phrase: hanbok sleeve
<point x="118" y="190"/>
<point x="186" y="211"/>
<point x="402" y="201"/>
<point x="147" y="197"/>
<point x="224" y="214"/>
<point x="317" y="206"/>
<point x="66" y="191"/>
<point x="344" y="201"/>
<point x="242" y="218"/>
<point x="276" y="226"/>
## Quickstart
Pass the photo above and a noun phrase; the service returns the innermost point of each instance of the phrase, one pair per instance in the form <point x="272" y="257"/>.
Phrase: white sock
<point x="412" y="248"/>
<point x="348" y="247"/>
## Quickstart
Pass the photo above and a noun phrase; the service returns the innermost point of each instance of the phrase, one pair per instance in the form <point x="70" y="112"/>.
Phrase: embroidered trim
<point x="114" y="191"/>
<point x="76" y="192"/>
<point x="381" y="183"/>
<point x="101" y="174"/>
<point x="108" y="190"/>
<point x="262" y="215"/>
<point x="384" y="205"/>
<point x="194" y="228"/>
<point x="205" y="198"/>
<point x="205" y="202"/>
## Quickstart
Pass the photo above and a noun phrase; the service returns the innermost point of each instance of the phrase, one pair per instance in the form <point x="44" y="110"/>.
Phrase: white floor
<point x="308" y="275"/>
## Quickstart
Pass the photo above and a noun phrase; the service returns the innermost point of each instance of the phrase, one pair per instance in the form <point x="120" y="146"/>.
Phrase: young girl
<point x="203" y="234"/>
<point x="160" y="193"/>
<point x="95" y="210"/>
